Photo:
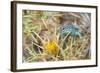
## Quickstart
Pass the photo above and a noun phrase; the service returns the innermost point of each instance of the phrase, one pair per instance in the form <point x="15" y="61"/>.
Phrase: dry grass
<point x="42" y="40"/>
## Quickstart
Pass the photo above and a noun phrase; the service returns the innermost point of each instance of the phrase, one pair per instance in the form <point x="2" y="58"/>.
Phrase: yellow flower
<point x="50" y="47"/>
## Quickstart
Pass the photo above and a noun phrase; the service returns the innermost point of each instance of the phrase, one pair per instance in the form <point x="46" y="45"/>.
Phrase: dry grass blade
<point x="34" y="39"/>
<point x="64" y="38"/>
<point x="38" y="45"/>
<point x="75" y="15"/>
<point x="58" y="15"/>
<point x="44" y="23"/>
<point x="38" y="37"/>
